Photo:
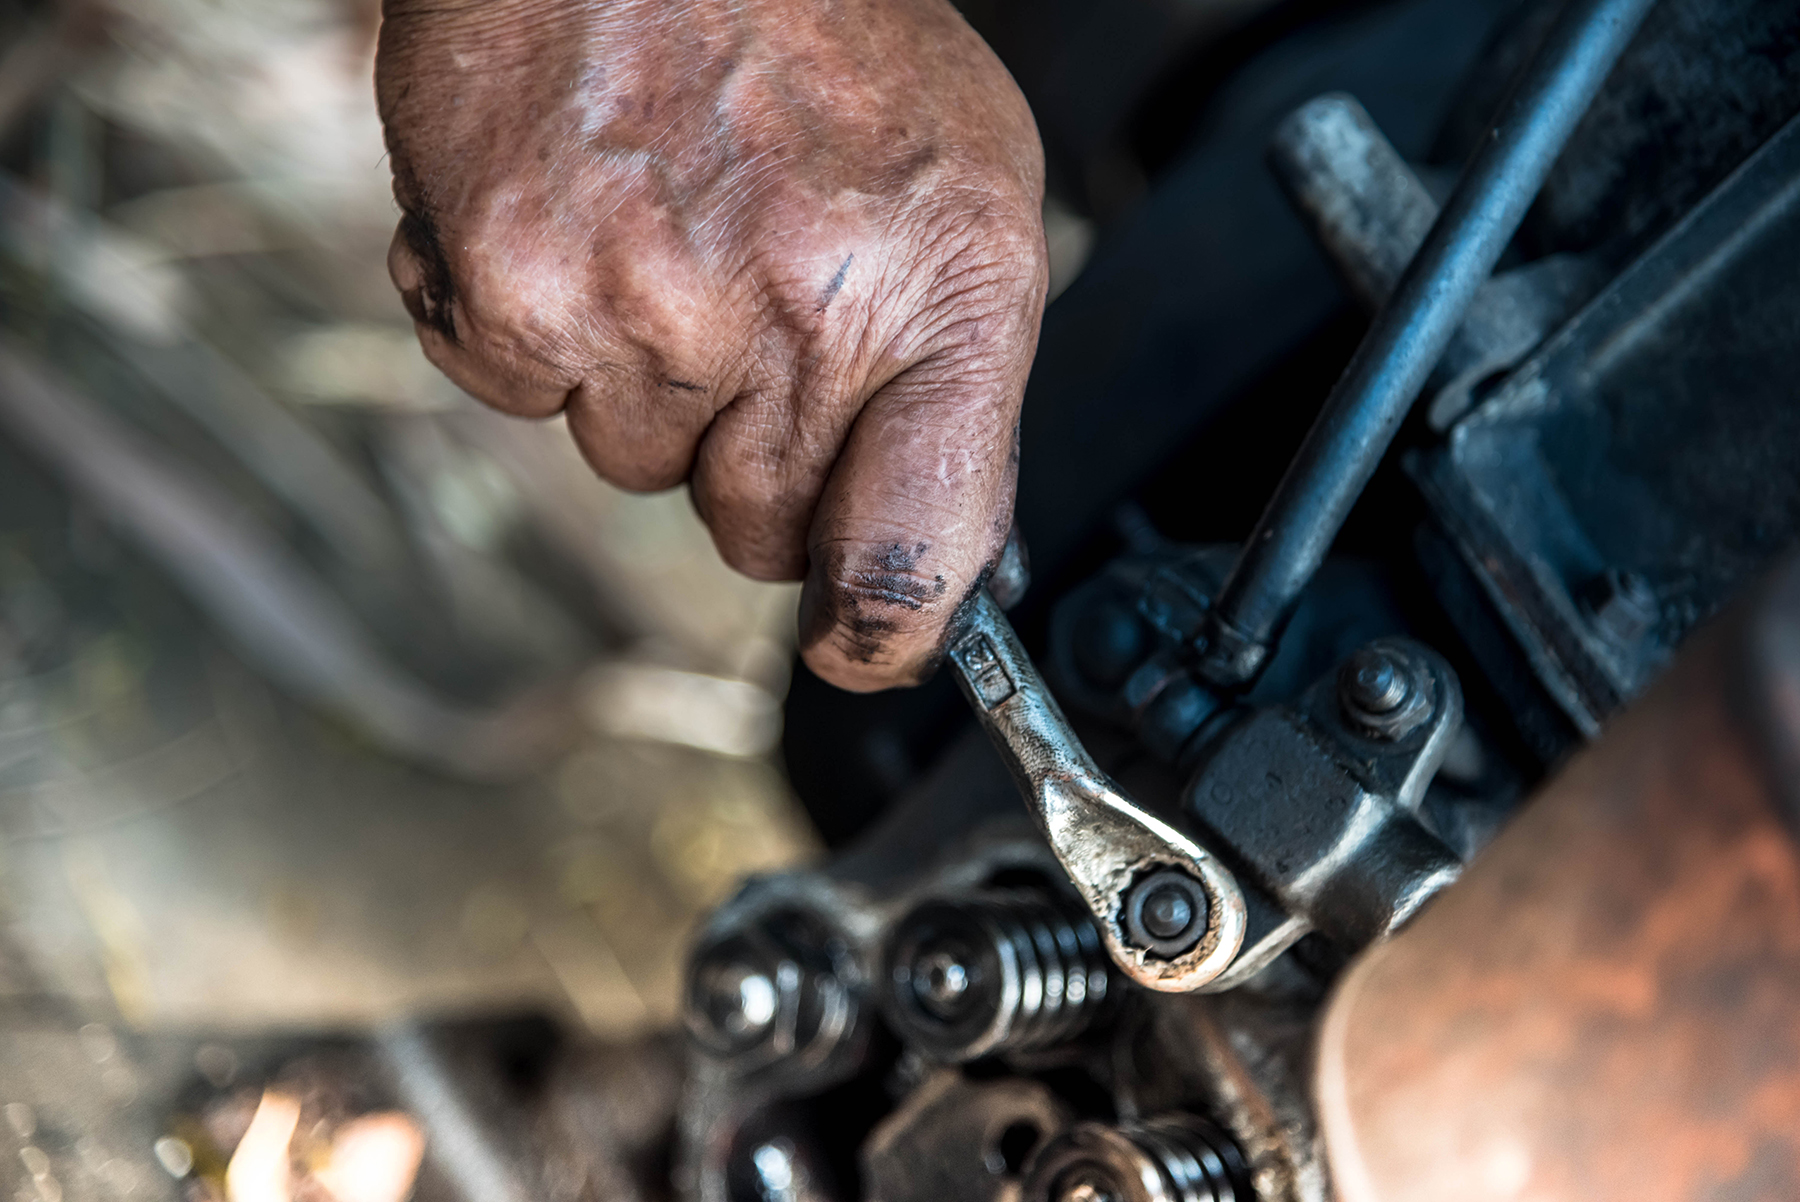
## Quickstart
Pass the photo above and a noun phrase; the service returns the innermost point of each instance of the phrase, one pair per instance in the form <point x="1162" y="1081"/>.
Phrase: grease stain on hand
<point x="836" y="285"/>
<point x="860" y="603"/>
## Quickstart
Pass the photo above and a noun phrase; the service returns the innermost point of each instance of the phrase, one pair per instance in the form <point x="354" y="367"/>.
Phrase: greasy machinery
<point x="1417" y="824"/>
<point x="1119" y="991"/>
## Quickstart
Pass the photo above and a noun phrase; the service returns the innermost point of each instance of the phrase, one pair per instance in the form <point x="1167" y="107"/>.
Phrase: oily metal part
<point x="1104" y="841"/>
<point x="1249" y="1054"/>
<point x="991" y="971"/>
<point x="1370" y="214"/>
<point x="1608" y="1004"/>
<point x="1636" y="471"/>
<point x="1170" y="1158"/>
<point x="1357" y="195"/>
<point x="1409" y="336"/>
<point x="960" y="1140"/>
<point x="1318" y="802"/>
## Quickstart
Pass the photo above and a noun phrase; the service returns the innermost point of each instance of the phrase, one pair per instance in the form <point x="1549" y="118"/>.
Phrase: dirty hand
<point x="789" y="251"/>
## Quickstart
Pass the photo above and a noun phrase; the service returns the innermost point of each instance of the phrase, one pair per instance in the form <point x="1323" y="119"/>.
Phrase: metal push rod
<point x="1409" y="335"/>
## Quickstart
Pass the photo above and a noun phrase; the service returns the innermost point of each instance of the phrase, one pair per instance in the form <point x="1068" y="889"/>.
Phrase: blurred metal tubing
<point x="460" y="1141"/>
<point x="130" y="289"/>
<point x="1365" y="409"/>
<point x="266" y="600"/>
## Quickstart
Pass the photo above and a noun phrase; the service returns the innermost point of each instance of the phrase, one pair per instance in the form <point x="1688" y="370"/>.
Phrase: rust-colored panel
<point x="1607" y="1005"/>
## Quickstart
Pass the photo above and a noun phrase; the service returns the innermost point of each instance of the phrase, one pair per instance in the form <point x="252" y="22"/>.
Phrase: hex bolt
<point x="1622" y="605"/>
<point x="1383" y="692"/>
<point x="732" y="995"/>
<point x="1372" y="684"/>
<point x="1165" y="912"/>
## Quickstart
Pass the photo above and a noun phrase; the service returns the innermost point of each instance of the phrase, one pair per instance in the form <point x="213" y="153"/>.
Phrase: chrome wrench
<point x="1171" y="915"/>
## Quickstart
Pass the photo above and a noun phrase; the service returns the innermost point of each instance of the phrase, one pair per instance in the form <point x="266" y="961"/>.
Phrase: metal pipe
<point x="1365" y="409"/>
<point x="1364" y="204"/>
<point x="1117" y="853"/>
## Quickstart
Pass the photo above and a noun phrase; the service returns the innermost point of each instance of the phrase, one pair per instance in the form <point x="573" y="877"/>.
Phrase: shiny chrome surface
<point x="1104" y="840"/>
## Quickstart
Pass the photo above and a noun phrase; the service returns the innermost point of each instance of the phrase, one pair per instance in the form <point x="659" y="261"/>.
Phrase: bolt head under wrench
<point x="1165" y="912"/>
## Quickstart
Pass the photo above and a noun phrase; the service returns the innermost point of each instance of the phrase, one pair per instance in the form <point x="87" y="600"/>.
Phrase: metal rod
<point x="1362" y="200"/>
<point x="1371" y="399"/>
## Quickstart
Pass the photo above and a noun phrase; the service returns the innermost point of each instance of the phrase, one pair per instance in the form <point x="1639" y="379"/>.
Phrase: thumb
<point x="913" y="518"/>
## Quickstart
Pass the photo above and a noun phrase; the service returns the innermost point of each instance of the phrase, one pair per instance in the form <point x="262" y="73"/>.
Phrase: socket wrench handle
<point x="1171" y="915"/>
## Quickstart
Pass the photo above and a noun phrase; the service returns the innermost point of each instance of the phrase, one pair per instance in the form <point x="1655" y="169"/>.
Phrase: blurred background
<point x="327" y="698"/>
<point x="339" y="717"/>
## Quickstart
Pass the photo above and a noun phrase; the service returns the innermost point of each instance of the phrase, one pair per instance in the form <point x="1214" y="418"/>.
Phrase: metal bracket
<point x="1318" y="800"/>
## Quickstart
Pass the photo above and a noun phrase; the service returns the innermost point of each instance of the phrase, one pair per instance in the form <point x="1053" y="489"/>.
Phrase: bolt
<point x="1165" y="912"/>
<point x="999" y="969"/>
<point x="737" y="1000"/>
<point x="1172" y="1156"/>
<point x="1372" y="683"/>
<point x="1384" y="692"/>
<point x="1622" y="605"/>
<point x="941" y="981"/>
<point x="770" y="989"/>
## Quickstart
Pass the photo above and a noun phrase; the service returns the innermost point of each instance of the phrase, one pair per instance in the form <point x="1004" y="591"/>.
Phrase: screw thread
<point x="1200" y="1162"/>
<point x="1173" y="1158"/>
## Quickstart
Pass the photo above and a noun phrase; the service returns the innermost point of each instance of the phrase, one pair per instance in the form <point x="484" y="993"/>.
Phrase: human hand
<point x="789" y="251"/>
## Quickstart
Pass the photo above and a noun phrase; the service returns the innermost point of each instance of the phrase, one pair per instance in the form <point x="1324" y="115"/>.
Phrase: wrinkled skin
<point x="788" y="251"/>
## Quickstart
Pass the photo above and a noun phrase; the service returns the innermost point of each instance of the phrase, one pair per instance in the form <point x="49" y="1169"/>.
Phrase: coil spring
<point x="1000" y="970"/>
<point x="1173" y="1158"/>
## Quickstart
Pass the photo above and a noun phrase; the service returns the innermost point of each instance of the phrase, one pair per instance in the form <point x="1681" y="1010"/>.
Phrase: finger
<point x="758" y="476"/>
<point x="914" y="515"/>
<point x="421" y="272"/>
<point x="764" y="461"/>
<point x="636" y="420"/>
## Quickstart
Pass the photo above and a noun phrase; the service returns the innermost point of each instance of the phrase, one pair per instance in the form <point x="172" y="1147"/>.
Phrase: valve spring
<point x="1199" y="1161"/>
<point x="1000" y="970"/>
<point x="781" y="989"/>
<point x="1172" y="1158"/>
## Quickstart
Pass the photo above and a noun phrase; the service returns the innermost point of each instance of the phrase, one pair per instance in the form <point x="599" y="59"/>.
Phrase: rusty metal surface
<point x="1608" y="1004"/>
